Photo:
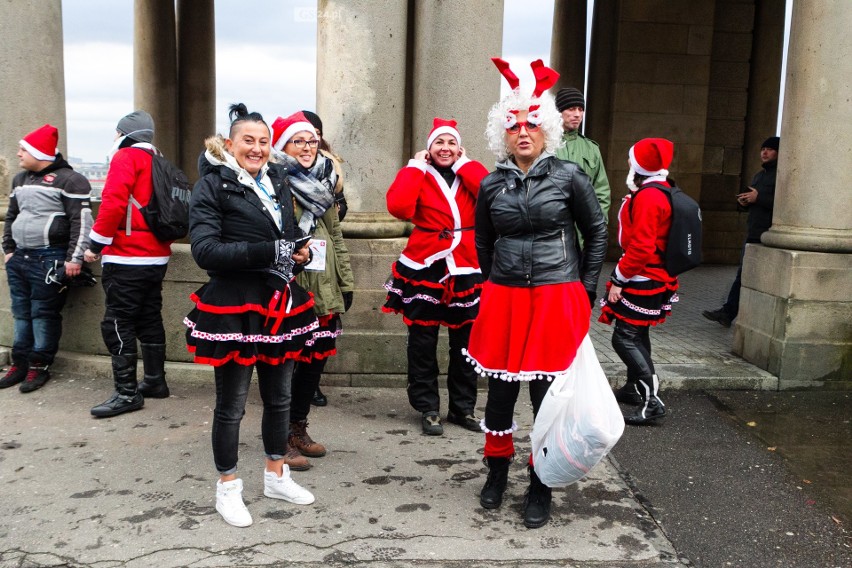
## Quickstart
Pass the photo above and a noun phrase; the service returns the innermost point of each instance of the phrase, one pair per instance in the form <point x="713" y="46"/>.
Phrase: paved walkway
<point x="138" y="490"/>
<point x="689" y="350"/>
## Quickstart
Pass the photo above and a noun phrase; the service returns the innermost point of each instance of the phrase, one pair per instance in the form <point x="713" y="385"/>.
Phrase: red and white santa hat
<point x="41" y="143"/>
<point x="441" y="126"/>
<point x="652" y="157"/>
<point x="285" y="128"/>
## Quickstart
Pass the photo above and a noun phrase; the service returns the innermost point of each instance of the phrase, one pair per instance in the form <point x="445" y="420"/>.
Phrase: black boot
<point x="629" y="393"/>
<point x="319" y="399"/>
<point x="153" y="384"/>
<point x="536" y="503"/>
<point x="491" y="495"/>
<point x="652" y="407"/>
<point x="126" y="397"/>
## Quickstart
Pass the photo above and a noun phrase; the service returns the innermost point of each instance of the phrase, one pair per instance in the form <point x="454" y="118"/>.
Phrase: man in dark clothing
<point x="45" y="234"/>
<point x="758" y="200"/>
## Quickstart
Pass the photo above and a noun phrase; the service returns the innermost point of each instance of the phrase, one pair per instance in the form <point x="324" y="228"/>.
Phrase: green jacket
<point x="585" y="153"/>
<point x="328" y="286"/>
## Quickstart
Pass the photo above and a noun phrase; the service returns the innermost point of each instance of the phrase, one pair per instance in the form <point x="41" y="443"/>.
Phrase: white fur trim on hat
<point x="443" y="130"/>
<point x="37" y="154"/>
<point x="642" y="171"/>
<point x="292" y="130"/>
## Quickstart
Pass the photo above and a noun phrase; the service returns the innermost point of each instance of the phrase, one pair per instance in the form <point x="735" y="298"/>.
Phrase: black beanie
<point x="313" y="119"/>
<point x="568" y="97"/>
<point x="771" y="142"/>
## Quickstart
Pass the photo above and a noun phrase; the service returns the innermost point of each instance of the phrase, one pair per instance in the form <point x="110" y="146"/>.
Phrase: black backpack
<point x="167" y="212"/>
<point x="683" y="251"/>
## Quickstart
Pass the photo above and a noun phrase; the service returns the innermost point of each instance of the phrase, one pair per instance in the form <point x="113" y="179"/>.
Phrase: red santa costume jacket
<point x="643" y="233"/>
<point x="129" y="174"/>
<point x="421" y="195"/>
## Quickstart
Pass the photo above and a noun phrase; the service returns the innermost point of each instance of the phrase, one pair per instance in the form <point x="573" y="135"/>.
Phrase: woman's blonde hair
<point x="551" y="121"/>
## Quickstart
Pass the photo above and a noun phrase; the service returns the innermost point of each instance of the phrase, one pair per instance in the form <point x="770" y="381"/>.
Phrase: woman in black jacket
<point x="251" y="314"/>
<point x="535" y="305"/>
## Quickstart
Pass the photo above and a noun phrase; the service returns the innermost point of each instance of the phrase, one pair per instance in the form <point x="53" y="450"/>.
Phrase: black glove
<point x="283" y="263"/>
<point x="347" y="300"/>
<point x="592" y="297"/>
<point x="342" y="207"/>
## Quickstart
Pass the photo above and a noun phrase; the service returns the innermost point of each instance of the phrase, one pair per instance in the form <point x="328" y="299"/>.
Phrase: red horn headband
<point x="545" y="77"/>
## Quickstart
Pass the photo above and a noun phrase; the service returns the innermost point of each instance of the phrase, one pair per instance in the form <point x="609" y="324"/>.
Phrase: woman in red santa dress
<point x="437" y="280"/>
<point x="535" y="306"/>
<point x="640" y="291"/>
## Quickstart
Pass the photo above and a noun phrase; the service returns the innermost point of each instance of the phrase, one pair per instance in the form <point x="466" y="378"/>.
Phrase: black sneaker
<point x="36" y="377"/>
<point x="431" y="423"/>
<point x="468" y="421"/>
<point x="13" y="376"/>
<point x="719" y="316"/>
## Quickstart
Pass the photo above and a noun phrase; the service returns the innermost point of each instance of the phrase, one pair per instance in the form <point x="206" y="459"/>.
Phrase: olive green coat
<point x="328" y="286"/>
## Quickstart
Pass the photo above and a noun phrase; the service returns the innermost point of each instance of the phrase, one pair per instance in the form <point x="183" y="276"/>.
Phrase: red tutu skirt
<point x="323" y="342"/>
<point x="648" y="302"/>
<point x="523" y="334"/>
<point x="245" y="319"/>
<point x="430" y="296"/>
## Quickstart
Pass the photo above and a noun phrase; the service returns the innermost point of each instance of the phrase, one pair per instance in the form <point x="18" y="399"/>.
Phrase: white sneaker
<point x="285" y="488"/>
<point x="229" y="503"/>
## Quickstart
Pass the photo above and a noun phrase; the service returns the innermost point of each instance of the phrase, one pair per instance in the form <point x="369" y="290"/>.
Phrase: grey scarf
<point x="313" y="188"/>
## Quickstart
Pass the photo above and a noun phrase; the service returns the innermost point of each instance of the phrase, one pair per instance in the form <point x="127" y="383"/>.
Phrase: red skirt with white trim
<point x="648" y="302"/>
<point x="245" y="319"/>
<point x="431" y="296"/>
<point x="524" y="334"/>
<point x="323" y="341"/>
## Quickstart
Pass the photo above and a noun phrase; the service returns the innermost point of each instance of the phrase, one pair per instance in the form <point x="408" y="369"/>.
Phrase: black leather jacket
<point x="525" y="225"/>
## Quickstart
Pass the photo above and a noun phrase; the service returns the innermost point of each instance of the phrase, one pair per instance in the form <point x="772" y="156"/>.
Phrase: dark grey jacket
<point x="525" y="225"/>
<point x="49" y="208"/>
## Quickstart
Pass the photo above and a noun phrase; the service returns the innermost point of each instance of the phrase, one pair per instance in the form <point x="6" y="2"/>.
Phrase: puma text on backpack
<point x="683" y="251"/>
<point x="167" y="212"/>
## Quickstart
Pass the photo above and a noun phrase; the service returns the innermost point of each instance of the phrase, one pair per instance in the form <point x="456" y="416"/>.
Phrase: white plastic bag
<point x="578" y="423"/>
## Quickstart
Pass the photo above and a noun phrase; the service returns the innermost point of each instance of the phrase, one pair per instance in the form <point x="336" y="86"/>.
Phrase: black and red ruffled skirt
<point x="528" y="333"/>
<point x="323" y="341"/>
<point x="431" y="296"/>
<point x="245" y="319"/>
<point x="647" y="302"/>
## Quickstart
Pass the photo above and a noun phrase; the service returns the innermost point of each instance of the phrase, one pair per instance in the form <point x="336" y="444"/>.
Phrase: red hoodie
<point x="129" y="174"/>
<point x="643" y="232"/>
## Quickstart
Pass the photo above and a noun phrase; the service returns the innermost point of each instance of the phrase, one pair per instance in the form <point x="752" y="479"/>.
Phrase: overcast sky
<point x="252" y="37"/>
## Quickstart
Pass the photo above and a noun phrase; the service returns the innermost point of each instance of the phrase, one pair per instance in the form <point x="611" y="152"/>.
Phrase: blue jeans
<point x="36" y="304"/>
<point x="232" y="387"/>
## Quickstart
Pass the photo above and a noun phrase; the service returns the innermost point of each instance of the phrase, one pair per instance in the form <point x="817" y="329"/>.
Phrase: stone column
<point x="361" y="55"/>
<point x="795" y="315"/>
<point x="196" y="80"/>
<point x="155" y="69"/>
<point x="568" y="46"/>
<point x="32" y="79"/>
<point x="453" y="73"/>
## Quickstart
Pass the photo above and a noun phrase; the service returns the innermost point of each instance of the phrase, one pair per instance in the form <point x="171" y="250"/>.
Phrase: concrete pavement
<point x="139" y="489"/>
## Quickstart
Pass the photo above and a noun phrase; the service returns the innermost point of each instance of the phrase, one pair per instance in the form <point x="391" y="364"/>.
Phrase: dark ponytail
<point x="238" y="113"/>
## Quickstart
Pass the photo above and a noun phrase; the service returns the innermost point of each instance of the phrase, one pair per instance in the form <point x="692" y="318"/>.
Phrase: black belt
<point x="444" y="233"/>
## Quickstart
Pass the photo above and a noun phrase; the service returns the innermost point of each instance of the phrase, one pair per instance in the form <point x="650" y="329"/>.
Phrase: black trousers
<point x="502" y="396"/>
<point x="306" y="379"/>
<point x="134" y="305"/>
<point x="423" y="370"/>
<point x="632" y="343"/>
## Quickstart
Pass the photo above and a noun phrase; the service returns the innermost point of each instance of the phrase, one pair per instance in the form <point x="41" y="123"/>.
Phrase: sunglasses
<point x="530" y="126"/>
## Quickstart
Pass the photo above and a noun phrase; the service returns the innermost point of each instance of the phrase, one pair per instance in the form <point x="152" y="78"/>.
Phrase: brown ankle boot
<point x="300" y="440"/>
<point x="295" y="460"/>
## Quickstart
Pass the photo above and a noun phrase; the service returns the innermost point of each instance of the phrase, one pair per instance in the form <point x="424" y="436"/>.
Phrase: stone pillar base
<point x="795" y="317"/>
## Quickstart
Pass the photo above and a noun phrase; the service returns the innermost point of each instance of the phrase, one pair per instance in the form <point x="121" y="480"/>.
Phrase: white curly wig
<point x="551" y="121"/>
